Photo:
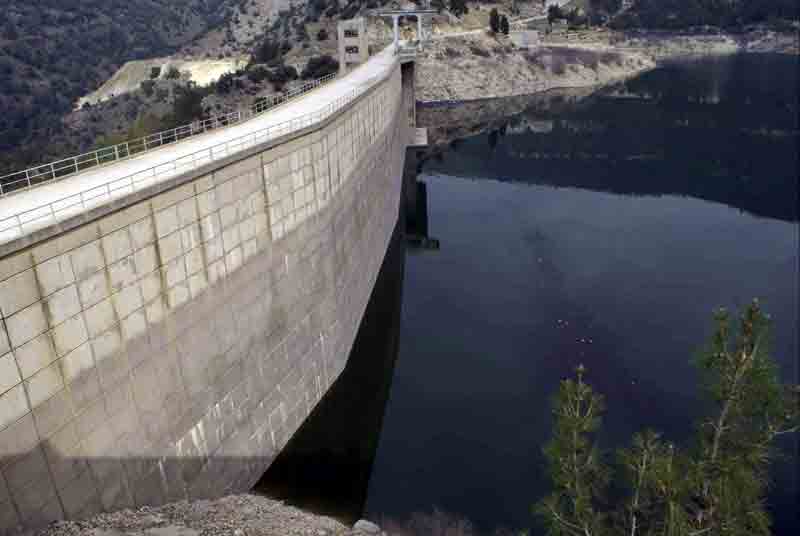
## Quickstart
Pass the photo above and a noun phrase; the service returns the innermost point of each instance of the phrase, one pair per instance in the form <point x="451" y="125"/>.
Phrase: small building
<point x="353" y="43"/>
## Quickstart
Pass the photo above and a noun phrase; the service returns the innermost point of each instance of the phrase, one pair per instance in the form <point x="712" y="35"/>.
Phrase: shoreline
<point x="447" y="75"/>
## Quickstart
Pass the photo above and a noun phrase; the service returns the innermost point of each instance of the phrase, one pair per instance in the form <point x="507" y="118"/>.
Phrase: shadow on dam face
<point x="326" y="466"/>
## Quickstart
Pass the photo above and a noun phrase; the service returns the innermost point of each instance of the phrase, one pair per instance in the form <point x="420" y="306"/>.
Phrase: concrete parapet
<point x="170" y="349"/>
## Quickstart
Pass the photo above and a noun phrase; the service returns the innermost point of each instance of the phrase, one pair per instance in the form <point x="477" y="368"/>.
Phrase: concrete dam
<point x="165" y="340"/>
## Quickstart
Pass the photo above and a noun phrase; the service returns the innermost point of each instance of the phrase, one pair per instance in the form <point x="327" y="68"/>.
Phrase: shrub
<point x="173" y="73"/>
<point x="320" y="66"/>
<point x="268" y="51"/>
<point x="257" y="74"/>
<point x="147" y="87"/>
<point x="494" y="20"/>
<point x="611" y="57"/>
<point x="155" y="72"/>
<point x="558" y="66"/>
<point x="505" y="27"/>
<point x="459" y="7"/>
<point x="478" y="51"/>
<point x="225" y="83"/>
<point x="350" y="11"/>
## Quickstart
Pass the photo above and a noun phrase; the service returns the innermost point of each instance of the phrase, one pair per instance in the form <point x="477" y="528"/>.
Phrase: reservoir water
<point x="599" y="229"/>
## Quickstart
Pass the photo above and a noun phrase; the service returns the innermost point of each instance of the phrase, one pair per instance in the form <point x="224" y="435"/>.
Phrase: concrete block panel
<point x="94" y="289"/>
<point x="206" y="203"/>
<point x="166" y="221"/>
<point x="34" y="355"/>
<point x="44" y="384"/>
<point x="84" y="390"/>
<point x="125" y="218"/>
<point x="124" y="272"/>
<point x="62" y="305"/>
<point x="8" y="515"/>
<point x="18" y="292"/>
<point x="25" y="469"/>
<point x="13" y="405"/>
<point x="5" y="343"/>
<point x="69" y="335"/>
<point x="52" y="415"/>
<point x="127" y="300"/>
<point x="76" y="363"/>
<point x="18" y="437"/>
<point x="171" y="349"/>
<point x="9" y="373"/>
<point x="172" y="197"/>
<point x="87" y="260"/>
<point x="142" y="232"/>
<point x="36" y="501"/>
<point x="117" y="245"/>
<point x="78" y="494"/>
<point x="55" y="274"/>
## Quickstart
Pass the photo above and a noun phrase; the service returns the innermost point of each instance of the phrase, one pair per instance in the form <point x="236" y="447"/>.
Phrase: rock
<point x="234" y="515"/>
<point x="363" y="526"/>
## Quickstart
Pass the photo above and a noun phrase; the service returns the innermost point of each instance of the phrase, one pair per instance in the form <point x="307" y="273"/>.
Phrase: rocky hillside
<point x="53" y="51"/>
<point x="482" y="66"/>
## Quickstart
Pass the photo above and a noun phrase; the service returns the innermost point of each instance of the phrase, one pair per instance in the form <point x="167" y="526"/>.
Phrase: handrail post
<point x="116" y="152"/>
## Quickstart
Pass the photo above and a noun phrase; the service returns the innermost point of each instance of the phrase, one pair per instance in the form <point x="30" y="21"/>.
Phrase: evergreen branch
<point x="574" y="529"/>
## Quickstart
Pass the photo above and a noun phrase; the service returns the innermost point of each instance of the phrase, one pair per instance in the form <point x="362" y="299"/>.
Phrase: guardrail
<point x="46" y="173"/>
<point x="14" y="226"/>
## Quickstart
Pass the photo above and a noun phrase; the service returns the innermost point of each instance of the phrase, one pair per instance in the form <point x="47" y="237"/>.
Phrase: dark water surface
<point x="603" y="235"/>
<point x="604" y="232"/>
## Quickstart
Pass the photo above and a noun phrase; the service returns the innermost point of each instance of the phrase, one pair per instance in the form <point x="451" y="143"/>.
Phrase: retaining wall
<point x="169" y="350"/>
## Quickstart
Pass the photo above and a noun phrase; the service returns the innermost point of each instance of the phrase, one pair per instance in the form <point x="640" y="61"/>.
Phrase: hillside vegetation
<point x="680" y="14"/>
<point x="53" y="51"/>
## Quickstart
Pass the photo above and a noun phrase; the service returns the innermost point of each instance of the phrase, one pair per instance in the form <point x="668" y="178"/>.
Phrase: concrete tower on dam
<point x="165" y="340"/>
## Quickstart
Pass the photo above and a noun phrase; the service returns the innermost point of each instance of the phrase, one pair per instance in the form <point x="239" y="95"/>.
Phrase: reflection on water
<point x="545" y="265"/>
<point x="722" y="129"/>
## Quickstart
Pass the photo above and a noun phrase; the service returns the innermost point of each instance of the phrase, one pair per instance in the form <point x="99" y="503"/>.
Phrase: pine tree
<point x="459" y="7"/>
<point x="494" y="21"/>
<point x="505" y="27"/>
<point x="718" y="487"/>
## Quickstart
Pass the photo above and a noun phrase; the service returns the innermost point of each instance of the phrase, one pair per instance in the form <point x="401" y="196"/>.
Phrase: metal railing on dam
<point x="17" y="224"/>
<point x="66" y="167"/>
<point x="167" y="344"/>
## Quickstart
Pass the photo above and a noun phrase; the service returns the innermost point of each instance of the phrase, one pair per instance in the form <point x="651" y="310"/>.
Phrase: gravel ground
<point x="234" y="515"/>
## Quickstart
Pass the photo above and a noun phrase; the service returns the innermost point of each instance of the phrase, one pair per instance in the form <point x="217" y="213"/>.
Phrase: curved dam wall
<point x="170" y="349"/>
